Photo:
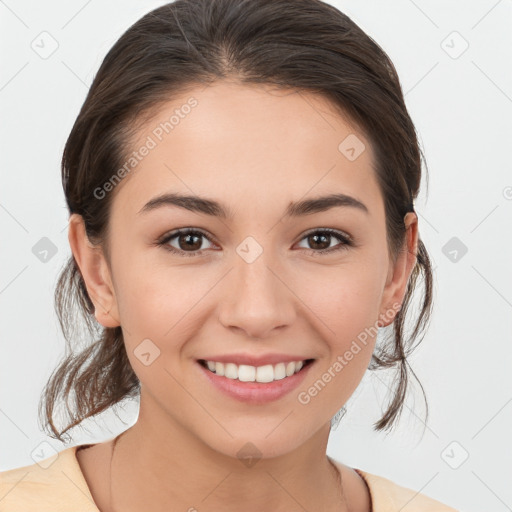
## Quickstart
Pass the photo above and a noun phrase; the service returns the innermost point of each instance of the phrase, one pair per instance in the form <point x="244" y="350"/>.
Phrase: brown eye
<point x="319" y="241"/>
<point x="189" y="242"/>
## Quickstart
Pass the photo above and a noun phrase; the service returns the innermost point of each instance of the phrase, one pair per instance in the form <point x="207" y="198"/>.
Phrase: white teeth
<point x="279" y="371"/>
<point x="246" y="373"/>
<point x="265" y="373"/>
<point x="219" y="369"/>
<point x="230" y="371"/>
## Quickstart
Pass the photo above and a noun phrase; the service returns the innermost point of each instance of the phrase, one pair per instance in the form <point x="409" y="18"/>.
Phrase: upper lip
<point x="255" y="360"/>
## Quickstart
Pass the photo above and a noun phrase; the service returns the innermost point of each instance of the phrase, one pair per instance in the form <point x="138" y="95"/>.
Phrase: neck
<point x="161" y="469"/>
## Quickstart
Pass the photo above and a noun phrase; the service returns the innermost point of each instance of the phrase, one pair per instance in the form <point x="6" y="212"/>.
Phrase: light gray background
<point x="461" y="103"/>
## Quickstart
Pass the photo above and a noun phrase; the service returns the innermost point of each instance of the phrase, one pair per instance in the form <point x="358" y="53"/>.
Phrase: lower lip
<point x="256" y="392"/>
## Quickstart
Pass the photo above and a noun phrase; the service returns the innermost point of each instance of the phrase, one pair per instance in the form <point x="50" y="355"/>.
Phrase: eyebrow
<point x="214" y="208"/>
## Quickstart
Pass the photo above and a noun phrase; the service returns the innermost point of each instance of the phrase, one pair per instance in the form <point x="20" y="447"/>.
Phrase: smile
<point x="247" y="373"/>
<point x="262" y="384"/>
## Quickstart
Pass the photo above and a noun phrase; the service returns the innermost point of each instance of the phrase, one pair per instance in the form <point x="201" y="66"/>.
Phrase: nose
<point x="257" y="299"/>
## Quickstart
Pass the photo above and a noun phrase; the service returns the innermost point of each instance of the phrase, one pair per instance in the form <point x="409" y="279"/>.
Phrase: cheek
<point x="347" y="306"/>
<point x="161" y="302"/>
<point x="346" y="299"/>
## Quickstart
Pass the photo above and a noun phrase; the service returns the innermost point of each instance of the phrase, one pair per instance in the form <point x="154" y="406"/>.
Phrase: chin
<point x="249" y="445"/>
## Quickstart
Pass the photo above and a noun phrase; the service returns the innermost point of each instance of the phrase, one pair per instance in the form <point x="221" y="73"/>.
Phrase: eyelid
<point x="332" y="231"/>
<point x="345" y="239"/>
<point x="185" y="231"/>
<point x="164" y="240"/>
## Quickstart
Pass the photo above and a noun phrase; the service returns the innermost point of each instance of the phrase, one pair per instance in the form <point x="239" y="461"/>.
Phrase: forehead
<point x="249" y="143"/>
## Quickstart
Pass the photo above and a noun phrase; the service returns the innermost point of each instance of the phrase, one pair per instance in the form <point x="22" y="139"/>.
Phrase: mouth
<point x="254" y="384"/>
<point x="248" y="373"/>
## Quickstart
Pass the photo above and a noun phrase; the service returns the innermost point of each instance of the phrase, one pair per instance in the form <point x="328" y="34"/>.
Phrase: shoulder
<point x="388" y="496"/>
<point x="51" y="484"/>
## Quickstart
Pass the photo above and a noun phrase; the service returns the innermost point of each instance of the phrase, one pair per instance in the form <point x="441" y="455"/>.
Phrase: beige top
<point x="60" y="486"/>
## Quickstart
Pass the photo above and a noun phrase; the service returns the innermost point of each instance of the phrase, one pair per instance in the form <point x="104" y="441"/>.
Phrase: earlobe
<point x="396" y="287"/>
<point x="95" y="273"/>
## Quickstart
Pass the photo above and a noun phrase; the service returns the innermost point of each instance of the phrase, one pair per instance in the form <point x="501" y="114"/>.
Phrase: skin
<point x="255" y="150"/>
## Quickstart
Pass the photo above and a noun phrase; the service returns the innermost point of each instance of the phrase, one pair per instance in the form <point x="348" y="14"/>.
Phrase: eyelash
<point x="346" y="241"/>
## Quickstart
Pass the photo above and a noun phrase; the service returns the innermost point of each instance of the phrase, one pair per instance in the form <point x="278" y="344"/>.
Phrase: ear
<point x="95" y="272"/>
<point x="400" y="271"/>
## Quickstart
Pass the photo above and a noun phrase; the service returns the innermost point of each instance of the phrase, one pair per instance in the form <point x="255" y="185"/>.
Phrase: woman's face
<point x="257" y="282"/>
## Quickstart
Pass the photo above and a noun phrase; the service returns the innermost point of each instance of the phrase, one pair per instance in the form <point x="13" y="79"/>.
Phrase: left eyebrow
<point x="216" y="209"/>
<point x="321" y="204"/>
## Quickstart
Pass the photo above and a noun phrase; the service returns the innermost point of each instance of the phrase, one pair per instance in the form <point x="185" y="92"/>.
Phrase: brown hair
<point x="305" y="45"/>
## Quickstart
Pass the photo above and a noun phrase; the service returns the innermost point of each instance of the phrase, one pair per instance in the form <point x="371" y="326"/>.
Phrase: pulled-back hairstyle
<point x="303" y="45"/>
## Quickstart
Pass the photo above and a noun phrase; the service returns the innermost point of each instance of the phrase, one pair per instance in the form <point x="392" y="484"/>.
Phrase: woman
<point x="240" y="182"/>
